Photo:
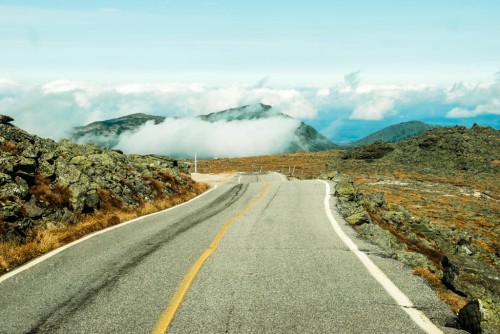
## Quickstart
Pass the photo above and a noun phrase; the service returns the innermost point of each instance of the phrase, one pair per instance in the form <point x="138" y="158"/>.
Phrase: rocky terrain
<point x="455" y="222"/>
<point x="106" y="133"/>
<point x="52" y="192"/>
<point x="431" y="201"/>
<point x="395" y="133"/>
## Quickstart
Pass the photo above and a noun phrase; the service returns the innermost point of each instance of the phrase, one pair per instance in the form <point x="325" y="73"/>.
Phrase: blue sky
<point x="346" y="67"/>
<point x="291" y="42"/>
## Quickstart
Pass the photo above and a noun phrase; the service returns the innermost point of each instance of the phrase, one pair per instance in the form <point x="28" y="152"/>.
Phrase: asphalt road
<point x="279" y="268"/>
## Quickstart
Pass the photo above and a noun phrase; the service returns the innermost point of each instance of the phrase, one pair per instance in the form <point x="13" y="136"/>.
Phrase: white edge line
<point x="62" y="248"/>
<point x="401" y="299"/>
<point x="283" y="177"/>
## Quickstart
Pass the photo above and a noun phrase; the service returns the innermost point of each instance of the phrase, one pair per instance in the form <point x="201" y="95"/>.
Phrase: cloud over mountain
<point x="53" y="108"/>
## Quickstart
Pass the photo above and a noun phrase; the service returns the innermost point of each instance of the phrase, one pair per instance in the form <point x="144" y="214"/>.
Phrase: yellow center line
<point x="175" y="302"/>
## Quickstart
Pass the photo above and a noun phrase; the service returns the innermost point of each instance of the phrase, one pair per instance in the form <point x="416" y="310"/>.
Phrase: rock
<point x="450" y="272"/>
<point x="393" y="216"/>
<point x="32" y="210"/>
<point x="46" y="169"/>
<point x="9" y="210"/>
<point x="66" y="174"/>
<point x="382" y="238"/>
<point x="369" y="152"/>
<point x="358" y="218"/>
<point x="471" y="316"/>
<point x="19" y="229"/>
<point x="12" y="190"/>
<point x="80" y="160"/>
<point x="347" y="191"/>
<point x="78" y="192"/>
<point x="92" y="201"/>
<point x="329" y="176"/>
<point x="4" y="119"/>
<point x="378" y="199"/>
<point x="25" y="168"/>
<point x="4" y="178"/>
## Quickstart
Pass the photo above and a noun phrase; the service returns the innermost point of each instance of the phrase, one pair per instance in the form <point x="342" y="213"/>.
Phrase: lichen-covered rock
<point x="43" y="182"/>
<point x="9" y="210"/>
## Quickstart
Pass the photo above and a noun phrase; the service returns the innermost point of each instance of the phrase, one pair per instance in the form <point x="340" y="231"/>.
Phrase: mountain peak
<point x="247" y="112"/>
<point x="396" y="133"/>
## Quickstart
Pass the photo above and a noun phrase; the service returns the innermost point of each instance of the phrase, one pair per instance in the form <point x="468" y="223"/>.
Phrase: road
<point x="276" y="266"/>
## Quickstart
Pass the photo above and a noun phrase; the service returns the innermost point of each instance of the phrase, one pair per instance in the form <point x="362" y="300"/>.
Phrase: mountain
<point x="106" y="133"/>
<point x="441" y="150"/>
<point x="395" y="133"/>
<point x="306" y="138"/>
<point x="244" y="113"/>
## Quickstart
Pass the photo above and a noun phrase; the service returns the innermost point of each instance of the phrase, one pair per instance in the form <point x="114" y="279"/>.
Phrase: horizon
<point x="347" y="70"/>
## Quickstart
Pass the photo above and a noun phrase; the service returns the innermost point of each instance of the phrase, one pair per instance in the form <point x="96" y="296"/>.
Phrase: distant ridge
<point x="106" y="133"/>
<point x="396" y="133"/>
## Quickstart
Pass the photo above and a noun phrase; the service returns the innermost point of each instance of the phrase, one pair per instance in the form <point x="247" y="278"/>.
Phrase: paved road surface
<point x="279" y="268"/>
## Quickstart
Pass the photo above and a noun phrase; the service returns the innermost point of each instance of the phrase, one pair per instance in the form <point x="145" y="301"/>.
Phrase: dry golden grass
<point x="112" y="213"/>
<point x="9" y="146"/>
<point x="50" y="194"/>
<point x="154" y="184"/>
<point x="454" y="301"/>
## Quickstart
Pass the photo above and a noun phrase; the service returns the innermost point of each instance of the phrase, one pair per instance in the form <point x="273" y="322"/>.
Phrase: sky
<point x="345" y="67"/>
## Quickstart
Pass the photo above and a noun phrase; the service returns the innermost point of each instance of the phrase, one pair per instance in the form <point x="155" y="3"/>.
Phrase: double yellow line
<point x="175" y="302"/>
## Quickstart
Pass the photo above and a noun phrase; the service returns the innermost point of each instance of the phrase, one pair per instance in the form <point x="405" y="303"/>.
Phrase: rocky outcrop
<point x="4" y="119"/>
<point x="447" y="149"/>
<point x="369" y="152"/>
<point x="355" y="209"/>
<point x="46" y="182"/>
<point x="446" y="252"/>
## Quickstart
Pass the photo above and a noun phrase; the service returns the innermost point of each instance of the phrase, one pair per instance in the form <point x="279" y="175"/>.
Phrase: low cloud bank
<point x="54" y="108"/>
<point x="187" y="137"/>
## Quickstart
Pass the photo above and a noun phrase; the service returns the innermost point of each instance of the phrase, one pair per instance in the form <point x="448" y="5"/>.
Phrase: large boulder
<point x="4" y="119"/>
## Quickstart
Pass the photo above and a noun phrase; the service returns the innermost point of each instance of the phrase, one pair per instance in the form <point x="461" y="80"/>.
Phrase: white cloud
<point x="52" y="109"/>
<point x="185" y="137"/>
<point x="7" y="83"/>
<point x="64" y="86"/>
<point x="332" y="129"/>
<point x="323" y="92"/>
<point x="373" y="110"/>
<point x="492" y="108"/>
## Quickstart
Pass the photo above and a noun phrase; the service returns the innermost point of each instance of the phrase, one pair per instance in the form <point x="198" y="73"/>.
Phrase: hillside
<point x="395" y="133"/>
<point x="106" y="133"/>
<point x="54" y="192"/>
<point x="441" y="150"/>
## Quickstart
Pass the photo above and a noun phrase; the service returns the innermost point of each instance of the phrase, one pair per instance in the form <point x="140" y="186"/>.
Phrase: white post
<point x="195" y="164"/>
<point x="293" y="171"/>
